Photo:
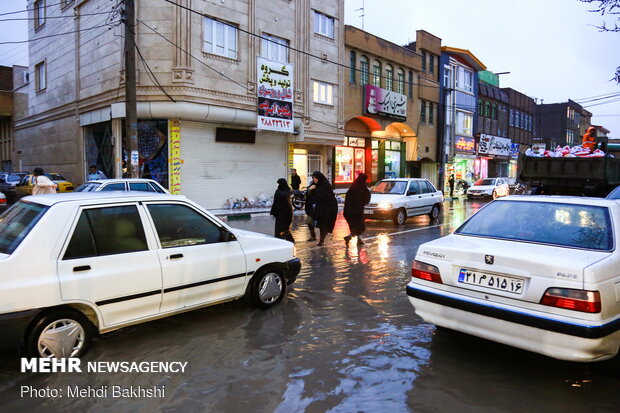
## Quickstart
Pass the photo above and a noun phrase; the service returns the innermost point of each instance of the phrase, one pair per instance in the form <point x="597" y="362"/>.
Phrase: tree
<point x="609" y="8"/>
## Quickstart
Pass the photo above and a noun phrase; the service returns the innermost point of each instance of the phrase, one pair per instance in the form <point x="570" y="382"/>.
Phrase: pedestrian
<point x="94" y="173"/>
<point x="309" y="207"/>
<point x="326" y="206"/>
<point x="282" y="209"/>
<point x="42" y="184"/>
<point x="295" y="180"/>
<point x="357" y="196"/>
<point x="451" y="184"/>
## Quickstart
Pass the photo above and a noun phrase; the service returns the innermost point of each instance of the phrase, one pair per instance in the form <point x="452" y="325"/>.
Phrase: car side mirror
<point x="227" y="236"/>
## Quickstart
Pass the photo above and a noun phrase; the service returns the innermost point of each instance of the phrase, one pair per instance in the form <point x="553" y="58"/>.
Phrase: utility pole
<point x="131" y="115"/>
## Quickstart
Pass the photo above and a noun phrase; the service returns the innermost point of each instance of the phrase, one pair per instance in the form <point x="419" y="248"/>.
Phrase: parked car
<point x="24" y="187"/>
<point x="2" y="202"/>
<point x="397" y="199"/>
<point x="8" y="181"/>
<point x="96" y="262"/>
<point x="535" y="272"/>
<point x="124" y="184"/>
<point x="488" y="188"/>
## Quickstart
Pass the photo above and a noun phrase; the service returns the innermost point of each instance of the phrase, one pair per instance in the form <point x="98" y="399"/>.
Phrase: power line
<point x="73" y="16"/>
<point x="61" y="34"/>
<point x="27" y="10"/>
<point x="152" y="76"/>
<point x="603" y="103"/>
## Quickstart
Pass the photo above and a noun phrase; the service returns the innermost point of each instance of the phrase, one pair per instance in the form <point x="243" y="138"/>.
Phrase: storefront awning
<point x="404" y="130"/>
<point x="370" y="123"/>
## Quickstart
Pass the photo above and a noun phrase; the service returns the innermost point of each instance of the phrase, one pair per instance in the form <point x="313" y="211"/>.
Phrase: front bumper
<point x="479" y="195"/>
<point x="379" y="214"/>
<point x="292" y="270"/>
<point x="13" y="326"/>
<point x="574" y="341"/>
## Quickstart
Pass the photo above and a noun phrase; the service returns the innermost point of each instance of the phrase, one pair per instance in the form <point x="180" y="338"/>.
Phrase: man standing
<point x="451" y="184"/>
<point x="295" y="180"/>
<point x="94" y="173"/>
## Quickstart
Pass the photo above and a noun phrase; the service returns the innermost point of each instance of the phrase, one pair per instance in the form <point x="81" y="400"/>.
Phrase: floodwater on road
<point x="345" y="339"/>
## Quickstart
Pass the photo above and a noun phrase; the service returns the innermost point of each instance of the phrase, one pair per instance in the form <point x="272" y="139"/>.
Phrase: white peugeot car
<point x="488" y="188"/>
<point x="397" y="199"/>
<point x="122" y="184"/>
<point x="80" y="263"/>
<point x="534" y="272"/>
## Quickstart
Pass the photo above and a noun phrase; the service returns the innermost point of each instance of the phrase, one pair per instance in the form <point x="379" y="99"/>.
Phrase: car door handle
<point x="81" y="268"/>
<point x="176" y="256"/>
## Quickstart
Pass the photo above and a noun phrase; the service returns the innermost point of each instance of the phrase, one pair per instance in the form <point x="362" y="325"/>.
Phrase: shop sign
<point x="275" y="95"/>
<point x="175" y="156"/>
<point x="384" y="102"/>
<point x="514" y="150"/>
<point x="494" y="145"/>
<point x="465" y="144"/>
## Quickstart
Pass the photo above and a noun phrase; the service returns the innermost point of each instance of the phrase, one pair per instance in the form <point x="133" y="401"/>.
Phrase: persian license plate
<point x="368" y="211"/>
<point x="497" y="282"/>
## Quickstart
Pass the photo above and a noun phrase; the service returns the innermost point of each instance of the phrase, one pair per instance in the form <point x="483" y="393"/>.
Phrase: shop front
<point x="349" y="160"/>
<point x="498" y="153"/>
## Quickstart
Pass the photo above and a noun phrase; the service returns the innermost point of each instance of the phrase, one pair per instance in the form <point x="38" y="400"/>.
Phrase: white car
<point x="2" y="202"/>
<point x="534" y="272"/>
<point x="122" y="184"/>
<point x="397" y="199"/>
<point x="80" y="263"/>
<point x="489" y="188"/>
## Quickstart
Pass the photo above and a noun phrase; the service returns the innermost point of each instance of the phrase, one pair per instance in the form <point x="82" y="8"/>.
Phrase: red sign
<point x="464" y="144"/>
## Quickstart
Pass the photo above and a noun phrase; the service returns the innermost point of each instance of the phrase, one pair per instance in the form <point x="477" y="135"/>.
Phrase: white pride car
<point x="76" y="264"/>
<point x="534" y="272"/>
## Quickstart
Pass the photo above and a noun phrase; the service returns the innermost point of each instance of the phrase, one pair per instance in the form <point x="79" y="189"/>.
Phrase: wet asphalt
<point x="345" y="339"/>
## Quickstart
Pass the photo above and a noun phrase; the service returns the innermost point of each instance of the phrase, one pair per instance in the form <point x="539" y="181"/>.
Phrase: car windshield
<point x="17" y="222"/>
<point x="14" y="178"/>
<point x="485" y="182"/>
<point x="389" y="187"/>
<point x="565" y="225"/>
<point x="55" y="177"/>
<point x="87" y="187"/>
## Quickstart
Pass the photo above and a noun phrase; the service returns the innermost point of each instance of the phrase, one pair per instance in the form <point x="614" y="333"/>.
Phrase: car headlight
<point x="384" y="205"/>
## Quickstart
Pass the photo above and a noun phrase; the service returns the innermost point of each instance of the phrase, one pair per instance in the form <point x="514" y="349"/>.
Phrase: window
<point x="464" y="123"/>
<point x="487" y="109"/>
<point x="364" y="70"/>
<point x="323" y="25"/>
<point x="17" y="222"/>
<point x="114" y="187"/>
<point x="512" y="118"/>
<point x="323" y="93"/>
<point x="275" y="48"/>
<point x="220" y="38"/>
<point x="431" y="113"/>
<point x="352" y="67"/>
<point x="140" y="186"/>
<point x="414" y="188"/>
<point x="431" y="64"/>
<point x="181" y="226"/>
<point x="481" y="107"/>
<point x="447" y="72"/>
<point x="107" y="231"/>
<point x="389" y="77"/>
<point x="424" y="60"/>
<point x="423" y="111"/>
<point x="464" y="79"/>
<point x="494" y="111"/>
<point x="39" y="13"/>
<point x="376" y="74"/>
<point x="410" y="84"/>
<point x="40" y="78"/>
<point x="400" y="82"/>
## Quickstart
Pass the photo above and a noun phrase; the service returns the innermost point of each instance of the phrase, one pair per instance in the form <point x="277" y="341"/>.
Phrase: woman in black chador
<point x="282" y="209"/>
<point x="357" y="196"/>
<point x="326" y="206"/>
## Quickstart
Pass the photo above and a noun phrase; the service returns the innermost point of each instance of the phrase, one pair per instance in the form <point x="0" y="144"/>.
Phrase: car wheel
<point x="434" y="214"/>
<point x="400" y="217"/>
<point x="494" y="195"/>
<point x="60" y="334"/>
<point x="267" y="288"/>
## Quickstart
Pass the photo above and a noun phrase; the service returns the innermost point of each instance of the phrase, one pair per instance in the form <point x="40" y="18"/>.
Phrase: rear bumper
<point x="554" y="338"/>
<point x="13" y="327"/>
<point x="292" y="270"/>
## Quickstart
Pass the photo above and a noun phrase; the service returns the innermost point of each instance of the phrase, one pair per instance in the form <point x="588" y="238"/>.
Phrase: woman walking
<point x="326" y="206"/>
<point x="357" y="196"/>
<point x="42" y="184"/>
<point x="309" y="207"/>
<point x="282" y="209"/>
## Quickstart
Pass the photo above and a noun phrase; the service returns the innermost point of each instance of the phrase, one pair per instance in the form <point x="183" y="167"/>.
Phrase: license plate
<point x="368" y="211"/>
<point x="496" y="282"/>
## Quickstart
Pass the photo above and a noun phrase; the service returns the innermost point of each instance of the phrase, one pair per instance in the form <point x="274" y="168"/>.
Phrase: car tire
<point x="71" y="327"/>
<point x="494" y="195"/>
<point x="400" y="216"/>
<point x="267" y="288"/>
<point x="434" y="214"/>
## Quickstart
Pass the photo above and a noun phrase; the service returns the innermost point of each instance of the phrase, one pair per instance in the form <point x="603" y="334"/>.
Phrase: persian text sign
<point x="175" y="156"/>
<point x="464" y="144"/>
<point x="385" y="102"/>
<point x="494" y="145"/>
<point x="275" y="95"/>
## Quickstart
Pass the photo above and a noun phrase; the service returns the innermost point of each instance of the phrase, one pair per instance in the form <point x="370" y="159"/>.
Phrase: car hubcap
<point x="270" y="288"/>
<point x="401" y="217"/>
<point x="435" y="212"/>
<point x="61" y="338"/>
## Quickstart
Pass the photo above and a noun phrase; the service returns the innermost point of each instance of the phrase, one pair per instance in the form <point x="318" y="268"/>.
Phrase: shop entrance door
<point x="314" y="164"/>
<point x="300" y="162"/>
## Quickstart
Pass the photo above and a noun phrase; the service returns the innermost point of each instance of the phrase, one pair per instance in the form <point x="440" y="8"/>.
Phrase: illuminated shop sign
<point x="464" y="144"/>
<point x="494" y="145"/>
<point x="385" y="102"/>
<point x="275" y="95"/>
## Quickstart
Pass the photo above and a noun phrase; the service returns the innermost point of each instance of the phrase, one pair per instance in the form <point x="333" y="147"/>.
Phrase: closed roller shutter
<point x="213" y="171"/>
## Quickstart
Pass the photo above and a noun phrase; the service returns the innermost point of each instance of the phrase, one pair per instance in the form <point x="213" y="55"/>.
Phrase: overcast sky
<point x="551" y="48"/>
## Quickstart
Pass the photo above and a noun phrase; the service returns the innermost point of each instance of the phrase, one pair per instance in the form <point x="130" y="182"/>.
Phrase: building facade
<point x="230" y="94"/>
<point x="561" y="123"/>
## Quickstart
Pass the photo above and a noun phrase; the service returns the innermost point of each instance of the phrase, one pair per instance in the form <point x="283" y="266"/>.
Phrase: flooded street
<point x="345" y="339"/>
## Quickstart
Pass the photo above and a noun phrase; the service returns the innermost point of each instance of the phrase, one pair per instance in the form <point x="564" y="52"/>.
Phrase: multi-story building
<point x="561" y="123"/>
<point x="230" y="93"/>
<point x="521" y="130"/>
<point x="390" y="124"/>
<point x="6" y="118"/>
